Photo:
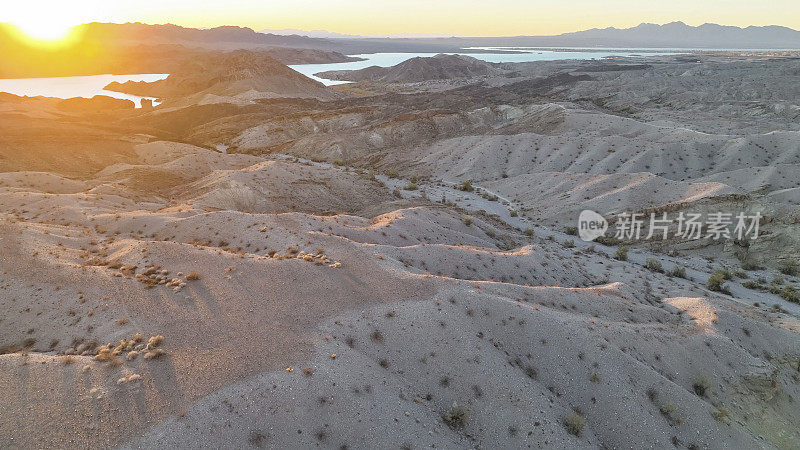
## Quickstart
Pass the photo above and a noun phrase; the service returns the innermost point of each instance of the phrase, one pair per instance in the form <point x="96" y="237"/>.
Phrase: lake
<point x="70" y="87"/>
<point x="89" y="86"/>
<point x="524" y="55"/>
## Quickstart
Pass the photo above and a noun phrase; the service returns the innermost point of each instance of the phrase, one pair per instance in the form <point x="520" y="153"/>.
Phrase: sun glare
<point x="53" y="26"/>
<point x="46" y="30"/>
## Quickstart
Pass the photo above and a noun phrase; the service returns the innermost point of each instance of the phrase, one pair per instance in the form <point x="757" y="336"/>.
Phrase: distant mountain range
<point x="323" y="34"/>
<point x="645" y="35"/>
<point x="120" y="48"/>
<point x="678" y="34"/>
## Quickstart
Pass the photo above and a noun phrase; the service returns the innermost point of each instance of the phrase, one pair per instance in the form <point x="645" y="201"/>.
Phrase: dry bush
<point x="574" y="423"/>
<point x="456" y="417"/>
<point x="154" y="342"/>
<point x="154" y="354"/>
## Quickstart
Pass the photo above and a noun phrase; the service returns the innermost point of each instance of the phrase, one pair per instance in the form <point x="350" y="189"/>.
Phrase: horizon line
<point x="422" y="35"/>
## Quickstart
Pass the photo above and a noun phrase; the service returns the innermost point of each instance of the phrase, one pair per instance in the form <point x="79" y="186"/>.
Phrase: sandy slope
<point x="422" y="310"/>
<point x="560" y="197"/>
<point x="605" y="144"/>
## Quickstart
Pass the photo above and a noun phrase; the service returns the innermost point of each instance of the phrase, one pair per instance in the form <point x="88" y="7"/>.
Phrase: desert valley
<point x="262" y="260"/>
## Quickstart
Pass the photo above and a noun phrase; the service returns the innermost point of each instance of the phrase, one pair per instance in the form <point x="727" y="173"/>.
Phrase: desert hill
<point x="241" y="74"/>
<point x="439" y="67"/>
<point x="381" y="330"/>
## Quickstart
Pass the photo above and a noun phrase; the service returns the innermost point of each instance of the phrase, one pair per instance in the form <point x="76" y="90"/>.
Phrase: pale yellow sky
<point x="463" y="17"/>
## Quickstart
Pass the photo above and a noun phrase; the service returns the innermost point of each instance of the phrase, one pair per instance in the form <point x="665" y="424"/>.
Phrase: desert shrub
<point x="411" y="187"/>
<point x="456" y="417"/>
<point x="749" y="264"/>
<point x="154" y="354"/>
<point x="789" y="267"/>
<point x="572" y="231"/>
<point x="258" y="439"/>
<point x="622" y="254"/>
<point x="720" y="414"/>
<point x="338" y="162"/>
<point x="513" y="213"/>
<point x="193" y="276"/>
<point x="654" y="265"/>
<point x="391" y="173"/>
<point x="609" y="241"/>
<point x="726" y="274"/>
<point x="154" y="342"/>
<point x="701" y="385"/>
<point x="670" y="411"/>
<point x="376" y="336"/>
<point x="466" y="186"/>
<point x="678" y="272"/>
<point x="752" y="284"/>
<point x="569" y="244"/>
<point x="778" y="279"/>
<point x="789" y="293"/>
<point x="574" y="423"/>
<point x="716" y="283"/>
<point x="528" y="232"/>
<point x="468" y="221"/>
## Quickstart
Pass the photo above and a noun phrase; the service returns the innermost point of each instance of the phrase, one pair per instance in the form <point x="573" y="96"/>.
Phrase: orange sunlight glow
<point x="49" y="39"/>
<point x="52" y="27"/>
<point x="43" y="31"/>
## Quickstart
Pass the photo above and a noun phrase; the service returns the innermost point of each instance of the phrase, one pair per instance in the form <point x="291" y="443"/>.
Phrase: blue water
<point x="525" y="55"/>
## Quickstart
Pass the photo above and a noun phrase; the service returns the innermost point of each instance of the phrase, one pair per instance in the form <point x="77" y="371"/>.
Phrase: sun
<point x="46" y="30"/>
<point x="43" y="23"/>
